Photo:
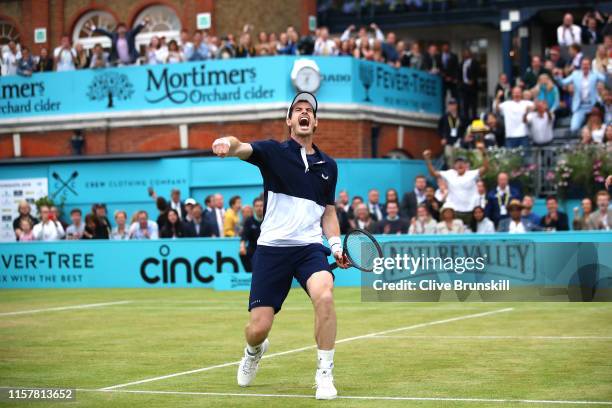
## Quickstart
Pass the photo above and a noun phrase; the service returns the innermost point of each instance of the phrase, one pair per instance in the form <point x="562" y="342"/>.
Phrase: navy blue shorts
<point x="275" y="267"/>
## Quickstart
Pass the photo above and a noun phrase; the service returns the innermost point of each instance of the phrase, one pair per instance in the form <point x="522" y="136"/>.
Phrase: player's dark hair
<point x="551" y="197"/>
<point x="233" y="200"/>
<point x="257" y="199"/>
<point x="76" y="210"/>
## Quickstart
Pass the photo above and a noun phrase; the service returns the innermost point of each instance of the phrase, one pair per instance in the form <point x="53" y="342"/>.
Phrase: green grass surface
<point x="168" y="331"/>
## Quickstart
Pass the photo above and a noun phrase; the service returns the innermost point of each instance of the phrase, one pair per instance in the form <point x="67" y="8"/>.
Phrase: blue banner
<point x="215" y="83"/>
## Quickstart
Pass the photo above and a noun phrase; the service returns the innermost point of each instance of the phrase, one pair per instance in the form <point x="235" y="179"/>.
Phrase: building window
<point x="8" y="32"/>
<point x="163" y="22"/>
<point x="84" y="34"/>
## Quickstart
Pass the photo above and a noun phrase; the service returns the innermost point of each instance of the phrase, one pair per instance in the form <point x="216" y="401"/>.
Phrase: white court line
<point x="282" y="353"/>
<point x="500" y="337"/>
<point x="55" y="309"/>
<point x="369" y="398"/>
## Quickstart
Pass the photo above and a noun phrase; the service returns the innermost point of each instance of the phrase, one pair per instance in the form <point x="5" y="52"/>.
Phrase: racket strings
<point x="361" y="250"/>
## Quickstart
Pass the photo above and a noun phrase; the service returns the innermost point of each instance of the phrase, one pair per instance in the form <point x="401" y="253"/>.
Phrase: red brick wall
<point x="340" y="138"/>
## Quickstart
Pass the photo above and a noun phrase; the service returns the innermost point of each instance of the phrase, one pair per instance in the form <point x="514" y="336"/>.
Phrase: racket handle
<point x="333" y="266"/>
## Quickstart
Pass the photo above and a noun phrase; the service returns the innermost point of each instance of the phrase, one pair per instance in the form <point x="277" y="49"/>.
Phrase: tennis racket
<point x="361" y="249"/>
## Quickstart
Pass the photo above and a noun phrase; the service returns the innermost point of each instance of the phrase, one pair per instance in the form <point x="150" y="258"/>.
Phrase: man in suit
<point x="374" y="207"/>
<point x="431" y="60"/>
<point x="413" y="198"/>
<point x="470" y="70"/>
<point x="584" y="98"/>
<point x="449" y="68"/>
<point x="451" y="128"/>
<point x="198" y="226"/>
<point x="123" y="42"/>
<point x="554" y="220"/>
<point x="590" y="33"/>
<point x="601" y="219"/>
<point x="498" y="199"/>
<point x="177" y="204"/>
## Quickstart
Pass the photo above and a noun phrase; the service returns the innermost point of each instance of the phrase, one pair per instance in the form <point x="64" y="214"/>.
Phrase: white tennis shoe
<point x="324" y="381"/>
<point x="249" y="365"/>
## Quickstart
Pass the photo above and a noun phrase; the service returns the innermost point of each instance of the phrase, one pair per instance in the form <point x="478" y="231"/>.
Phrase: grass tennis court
<point x="424" y="354"/>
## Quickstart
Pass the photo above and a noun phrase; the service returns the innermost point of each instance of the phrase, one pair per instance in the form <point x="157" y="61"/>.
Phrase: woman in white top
<point x="423" y="223"/>
<point x="120" y="232"/>
<point x="47" y="229"/>
<point x="449" y="224"/>
<point x="481" y="224"/>
<point x="174" y="54"/>
<point x="156" y="54"/>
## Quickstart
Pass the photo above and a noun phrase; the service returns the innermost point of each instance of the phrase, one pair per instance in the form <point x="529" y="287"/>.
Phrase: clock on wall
<point x="305" y="75"/>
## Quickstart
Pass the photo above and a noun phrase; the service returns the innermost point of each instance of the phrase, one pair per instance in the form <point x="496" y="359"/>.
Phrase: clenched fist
<point x="221" y="147"/>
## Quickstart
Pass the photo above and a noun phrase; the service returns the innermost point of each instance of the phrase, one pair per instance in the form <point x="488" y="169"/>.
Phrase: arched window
<point x="84" y="34"/>
<point x="8" y="32"/>
<point x="163" y="22"/>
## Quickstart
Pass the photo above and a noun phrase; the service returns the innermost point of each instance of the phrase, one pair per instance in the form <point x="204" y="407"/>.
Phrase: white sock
<point x="325" y="359"/>
<point x="252" y="350"/>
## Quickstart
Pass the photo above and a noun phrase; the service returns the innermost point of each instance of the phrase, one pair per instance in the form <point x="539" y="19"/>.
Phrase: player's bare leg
<point x="256" y="333"/>
<point x="320" y="288"/>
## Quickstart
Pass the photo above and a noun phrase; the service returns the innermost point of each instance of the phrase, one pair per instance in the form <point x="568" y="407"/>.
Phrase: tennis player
<point x="299" y="189"/>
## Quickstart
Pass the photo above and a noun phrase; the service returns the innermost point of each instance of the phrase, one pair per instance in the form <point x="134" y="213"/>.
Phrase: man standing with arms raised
<point x="299" y="191"/>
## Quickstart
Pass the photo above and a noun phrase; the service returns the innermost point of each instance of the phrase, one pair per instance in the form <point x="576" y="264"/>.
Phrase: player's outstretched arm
<point x="230" y="146"/>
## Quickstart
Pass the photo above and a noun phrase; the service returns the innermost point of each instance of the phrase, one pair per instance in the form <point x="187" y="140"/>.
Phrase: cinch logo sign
<point x="165" y="269"/>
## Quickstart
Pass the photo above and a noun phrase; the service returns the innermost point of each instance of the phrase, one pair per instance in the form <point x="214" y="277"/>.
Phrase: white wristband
<point x="335" y="244"/>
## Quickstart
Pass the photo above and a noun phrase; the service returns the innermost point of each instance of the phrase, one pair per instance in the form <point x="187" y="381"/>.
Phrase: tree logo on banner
<point x="110" y="86"/>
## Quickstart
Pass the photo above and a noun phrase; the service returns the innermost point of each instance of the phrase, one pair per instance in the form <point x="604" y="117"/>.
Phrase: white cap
<point x="190" y="201"/>
<point x="304" y="97"/>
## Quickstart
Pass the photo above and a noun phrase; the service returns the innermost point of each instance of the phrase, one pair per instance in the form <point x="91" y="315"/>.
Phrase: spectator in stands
<point x="596" y="126"/>
<point x="392" y="223"/>
<point x="199" y="226"/>
<point x="431" y="60"/>
<point x="554" y="220"/>
<point x="123" y="42"/>
<point x="245" y="46"/>
<point x="186" y="47"/>
<point x="602" y="218"/>
<point x="162" y="208"/>
<point x="24" y="210"/>
<point x="590" y="34"/>
<point x="250" y="234"/>
<point x="120" y="231"/>
<point x="352" y="212"/>
<point x="25" y="231"/>
<point x="102" y="222"/>
<point x="534" y="71"/>
<point x="64" y="56"/>
<point x="480" y="223"/>
<point x="414" y="198"/>
<point x="174" y="53"/>
<point x="496" y="131"/>
<point x="414" y="58"/>
<point x="470" y="71"/>
<point x="449" y="69"/>
<point x="55" y="214"/>
<point x="481" y="194"/>
<point x="461" y="183"/>
<point x="374" y="207"/>
<point x="200" y="50"/>
<point x="92" y="229"/>
<point x="442" y="191"/>
<point x="189" y="203"/>
<point x="555" y="57"/>
<point x="25" y="65"/>
<point x="585" y="92"/>
<point x="43" y="63"/>
<point x="422" y="223"/>
<point x="363" y="220"/>
<point x="514" y="112"/>
<point x="608" y="135"/>
<point x="581" y="222"/>
<point x="585" y="136"/>
<point x="601" y="62"/>
<point x="343" y="200"/>
<point x="432" y="204"/>
<point x="540" y="121"/>
<point x="546" y="90"/>
<point x="82" y="58"/>
<point x="176" y="203"/>
<point x="515" y="224"/>
<point x="76" y="229"/>
<point x="498" y="199"/>
<point x="231" y="219"/>
<point x="173" y="226"/>
<point x="575" y="58"/>
<point x="245" y="212"/>
<point x="389" y="50"/>
<point x="449" y="224"/>
<point x="451" y="128"/>
<point x="503" y="87"/>
<point x="143" y="228"/>
<point x="323" y="44"/>
<point x="99" y="58"/>
<point x="49" y="228"/>
<point x="477" y="132"/>
<point x="391" y="196"/>
<point x="10" y="59"/>
<point x="156" y="54"/>
<point x="568" y="33"/>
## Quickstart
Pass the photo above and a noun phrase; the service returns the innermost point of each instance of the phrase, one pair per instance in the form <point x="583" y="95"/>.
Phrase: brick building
<point x="344" y="133"/>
